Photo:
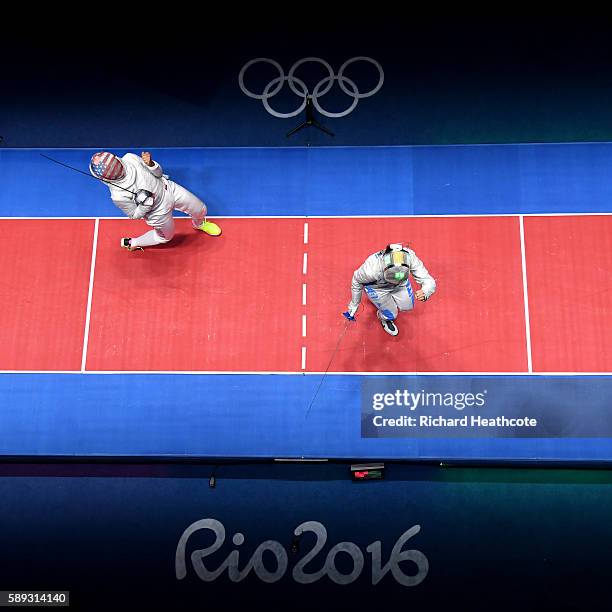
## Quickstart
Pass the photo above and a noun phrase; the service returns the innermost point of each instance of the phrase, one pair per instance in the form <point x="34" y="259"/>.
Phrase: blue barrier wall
<point x="470" y="179"/>
<point x="249" y="416"/>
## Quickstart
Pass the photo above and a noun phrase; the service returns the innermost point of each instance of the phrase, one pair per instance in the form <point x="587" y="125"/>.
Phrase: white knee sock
<point x="197" y="221"/>
<point x="199" y="218"/>
<point x="151" y="238"/>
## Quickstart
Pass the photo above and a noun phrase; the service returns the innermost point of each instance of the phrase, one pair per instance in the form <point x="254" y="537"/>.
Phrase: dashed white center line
<point x="304" y="271"/>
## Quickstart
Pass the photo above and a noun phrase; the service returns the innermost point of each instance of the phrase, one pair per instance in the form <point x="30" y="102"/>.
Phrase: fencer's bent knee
<point x="164" y="236"/>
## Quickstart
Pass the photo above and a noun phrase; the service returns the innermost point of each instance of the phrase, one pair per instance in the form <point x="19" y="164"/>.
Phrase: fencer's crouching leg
<point x="403" y="296"/>
<point x="190" y="204"/>
<point x="386" y="309"/>
<point x="153" y="237"/>
<point x="187" y="202"/>
<point x="384" y="302"/>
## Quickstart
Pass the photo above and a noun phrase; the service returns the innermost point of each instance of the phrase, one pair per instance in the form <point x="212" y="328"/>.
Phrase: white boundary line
<point x="525" y="295"/>
<point x="305" y="264"/>
<point x="303" y="294"/>
<point x="294" y="373"/>
<point x="447" y="216"/>
<point x="305" y="233"/>
<point x="303" y="326"/>
<point x="89" y="295"/>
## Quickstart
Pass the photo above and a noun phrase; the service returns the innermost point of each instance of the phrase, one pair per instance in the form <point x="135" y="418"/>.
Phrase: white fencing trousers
<point x="163" y="224"/>
<point x="390" y="301"/>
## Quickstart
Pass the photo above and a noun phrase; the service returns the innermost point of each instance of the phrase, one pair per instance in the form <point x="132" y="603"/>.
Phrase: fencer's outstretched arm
<point x="368" y="272"/>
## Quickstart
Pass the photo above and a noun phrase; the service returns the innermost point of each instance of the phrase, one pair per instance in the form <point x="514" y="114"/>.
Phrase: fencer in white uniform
<point x="140" y="189"/>
<point x="384" y="276"/>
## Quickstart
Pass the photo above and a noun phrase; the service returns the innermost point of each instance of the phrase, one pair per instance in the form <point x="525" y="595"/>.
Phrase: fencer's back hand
<point x="146" y="158"/>
<point x="420" y="295"/>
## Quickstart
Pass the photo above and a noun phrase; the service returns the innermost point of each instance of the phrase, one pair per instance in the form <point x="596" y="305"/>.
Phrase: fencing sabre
<point x="86" y="174"/>
<point x="348" y="318"/>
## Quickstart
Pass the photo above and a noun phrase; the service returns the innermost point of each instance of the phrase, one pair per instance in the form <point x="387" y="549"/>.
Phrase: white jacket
<point x="140" y="176"/>
<point x="372" y="273"/>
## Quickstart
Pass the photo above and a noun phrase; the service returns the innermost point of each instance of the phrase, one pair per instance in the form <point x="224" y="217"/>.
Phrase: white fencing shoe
<point x="389" y="326"/>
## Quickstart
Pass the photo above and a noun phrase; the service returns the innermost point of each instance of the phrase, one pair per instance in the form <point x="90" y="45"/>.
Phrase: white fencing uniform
<point x="389" y="298"/>
<point x="167" y="196"/>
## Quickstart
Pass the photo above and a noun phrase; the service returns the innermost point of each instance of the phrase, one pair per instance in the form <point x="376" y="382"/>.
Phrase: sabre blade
<point x="346" y="325"/>
<point x="85" y="173"/>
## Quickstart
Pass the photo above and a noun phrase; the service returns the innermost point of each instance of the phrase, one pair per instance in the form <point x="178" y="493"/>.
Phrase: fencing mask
<point x="395" y="262"/>
<point x="106" y="166"/>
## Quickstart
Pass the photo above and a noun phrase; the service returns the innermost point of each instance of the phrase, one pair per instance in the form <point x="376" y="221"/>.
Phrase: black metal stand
<point x="310" y="120"/>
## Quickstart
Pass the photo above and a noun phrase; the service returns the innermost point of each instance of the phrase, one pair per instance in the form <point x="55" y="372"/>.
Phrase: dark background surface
<point x="172" y="79"/>
<point x="496" y="539"/>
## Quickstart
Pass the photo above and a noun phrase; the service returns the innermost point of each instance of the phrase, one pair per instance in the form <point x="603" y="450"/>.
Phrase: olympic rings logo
<point x="299" y="88"/>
